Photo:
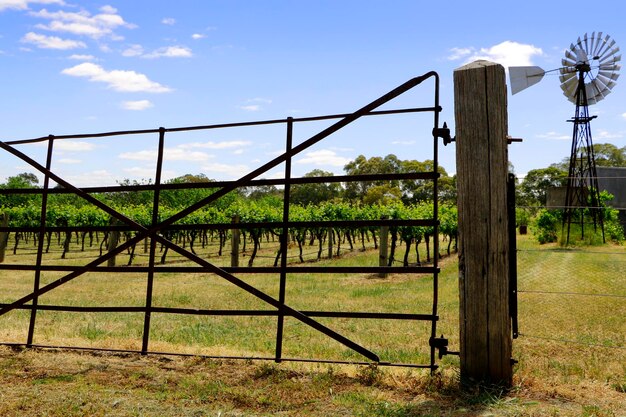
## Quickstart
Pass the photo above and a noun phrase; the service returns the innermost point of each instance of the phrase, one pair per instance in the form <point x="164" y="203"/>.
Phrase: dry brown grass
<point x="62" y="383"/>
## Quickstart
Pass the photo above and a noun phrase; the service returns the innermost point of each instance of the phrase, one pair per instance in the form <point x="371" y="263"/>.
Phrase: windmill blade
<point x="608" y="74"/>
<point x="593" y="42"/>
<point x="610" y="67"/>
<point x="603" y="45"/>
<point x="568" y="63"/>
<point x="566" y="77"/>
<point x="585" y="40"/>
<point x="567" y="73"/>
<point x="581" y="56"/>
<point x="608" y="81"/>
<point x="571" y="55"/>
<point x="608" y="46"/>
<point x="523" y="77"/>
<point x="569" y="88"/>
<point x="609" y="54"/>
<point x="594" y="92"/>
<point x="598" y="40"/>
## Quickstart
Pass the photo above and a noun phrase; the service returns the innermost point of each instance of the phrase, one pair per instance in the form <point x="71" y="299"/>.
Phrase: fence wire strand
<point x="573" y="296"/>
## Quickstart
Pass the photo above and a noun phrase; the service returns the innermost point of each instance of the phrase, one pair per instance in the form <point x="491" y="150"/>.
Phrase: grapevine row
<point x="213" y="223"/>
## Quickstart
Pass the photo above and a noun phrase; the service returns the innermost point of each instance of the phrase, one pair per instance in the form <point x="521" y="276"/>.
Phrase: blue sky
<point x="94" y="66"/>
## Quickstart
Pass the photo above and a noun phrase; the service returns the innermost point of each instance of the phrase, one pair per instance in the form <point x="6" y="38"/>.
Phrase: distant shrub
<point x="545" y="225"/>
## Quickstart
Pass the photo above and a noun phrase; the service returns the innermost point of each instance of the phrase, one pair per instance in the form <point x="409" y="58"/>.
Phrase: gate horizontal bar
<point x="233" y="312"/>
<point x="227" y="226"/>
<point x="242" y="269"/>
<point x="195" y="355"/>
<point x="220" y="184"/>
<point x="224" y="125"/>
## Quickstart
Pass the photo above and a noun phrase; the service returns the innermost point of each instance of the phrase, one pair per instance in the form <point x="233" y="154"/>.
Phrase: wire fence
<point x="573" y="295"/>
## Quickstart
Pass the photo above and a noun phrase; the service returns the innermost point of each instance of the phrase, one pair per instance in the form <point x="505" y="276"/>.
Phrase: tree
<point x="25" y="180"/>
<point x="185" y="197"/>
<point x="609" y="155"/>
<point x="534" y="188"/>
<point x="318" y="193"/>
<point x="357" y="190"/>
<point x="383" y="195"/>
<point x="606" y="155"/>
<point x="416" y="191"/>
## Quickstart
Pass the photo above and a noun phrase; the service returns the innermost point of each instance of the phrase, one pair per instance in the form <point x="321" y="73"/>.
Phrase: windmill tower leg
<point x="582" y="197"/>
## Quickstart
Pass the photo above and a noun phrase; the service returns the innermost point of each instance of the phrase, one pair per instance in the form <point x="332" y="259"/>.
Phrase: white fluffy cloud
<point x="217" y="145"/>
<point x="254" y="104"/>
<point x="197" y="36"/>
<point x="118" y="80"/>
<point x="83" y="23"/>
<point x="507" y="53"/>
<point x="78" y="57"/>
<point x="137" y="105"/>
<point x="69" y="161"/>
<point x="170" y="52"/>
<point x="51" y="42"/>
<point x="168" y="21"/>
<point x="23" y="4"/>
<point x="73" y="146"/>
<point x="554" y="136"/>
<point x="323" y="157"/>
<point x="229" y="170"/>
<point x="133" y="50"/>
<point x="169" y="154"/>
<point x="165" y="52"/>
<point x="92" y="178"/>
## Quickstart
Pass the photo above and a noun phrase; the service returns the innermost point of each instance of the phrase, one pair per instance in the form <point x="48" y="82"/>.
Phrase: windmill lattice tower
<point x="588" y="74"/>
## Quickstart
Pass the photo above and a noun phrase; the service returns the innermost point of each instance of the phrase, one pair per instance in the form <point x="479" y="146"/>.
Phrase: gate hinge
<point x="443" y="133"/>
<point x="441" y="344"/>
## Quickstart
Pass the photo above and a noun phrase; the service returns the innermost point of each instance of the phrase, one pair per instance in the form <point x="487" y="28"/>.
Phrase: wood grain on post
<point x="482" y="164"/>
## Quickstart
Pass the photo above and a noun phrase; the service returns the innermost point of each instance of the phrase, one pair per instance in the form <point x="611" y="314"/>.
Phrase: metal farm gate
<point x="156" y="234"/>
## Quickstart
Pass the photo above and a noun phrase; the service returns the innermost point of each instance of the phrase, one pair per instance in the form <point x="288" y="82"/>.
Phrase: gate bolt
<point x="444" y="133"/>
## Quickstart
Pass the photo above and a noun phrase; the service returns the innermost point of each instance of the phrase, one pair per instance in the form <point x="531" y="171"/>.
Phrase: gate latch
<point x="443" y="133"/>
<point x="441" y="344"/>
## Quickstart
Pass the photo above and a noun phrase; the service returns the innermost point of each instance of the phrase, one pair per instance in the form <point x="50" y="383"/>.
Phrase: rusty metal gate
<point x="155" y="233"/>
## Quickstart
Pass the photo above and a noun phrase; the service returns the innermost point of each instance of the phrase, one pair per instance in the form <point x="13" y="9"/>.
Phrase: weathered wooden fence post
<point x="383" y="252"/>
<point x="329" y="235"/>
<point x="480" y="109"/>
<point x="234" y="242"/>
<point x="114" y="237"/>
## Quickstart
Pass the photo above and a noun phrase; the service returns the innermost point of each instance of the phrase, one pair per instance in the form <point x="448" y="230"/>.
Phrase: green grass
<point x="224" y="335"/>
<point x="593" y="356"/>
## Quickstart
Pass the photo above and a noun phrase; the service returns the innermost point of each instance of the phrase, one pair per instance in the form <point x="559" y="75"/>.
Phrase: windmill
<point x="589" y="72"/>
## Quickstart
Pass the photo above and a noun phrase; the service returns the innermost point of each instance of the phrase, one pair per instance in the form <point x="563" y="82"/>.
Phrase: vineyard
<point x="72" y="227"/>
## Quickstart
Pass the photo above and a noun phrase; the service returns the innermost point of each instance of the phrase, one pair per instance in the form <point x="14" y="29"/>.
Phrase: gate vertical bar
<point x="512" y="255"/>
<point x="153" y="243"/>
<point x="40" y="242"/>
<point x="433" y="333"/>
<point x="284" y="236"/>
<point x="482" y="167"/>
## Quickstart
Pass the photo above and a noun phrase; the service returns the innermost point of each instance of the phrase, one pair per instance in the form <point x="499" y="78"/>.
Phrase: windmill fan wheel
<point x="595" y="58"/>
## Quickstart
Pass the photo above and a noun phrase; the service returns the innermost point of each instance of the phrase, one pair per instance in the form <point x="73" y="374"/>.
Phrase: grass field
<point x="582" y="377"/>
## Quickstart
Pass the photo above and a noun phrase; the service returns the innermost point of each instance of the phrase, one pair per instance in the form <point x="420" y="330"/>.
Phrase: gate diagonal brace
<point x="143" y="232"/>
